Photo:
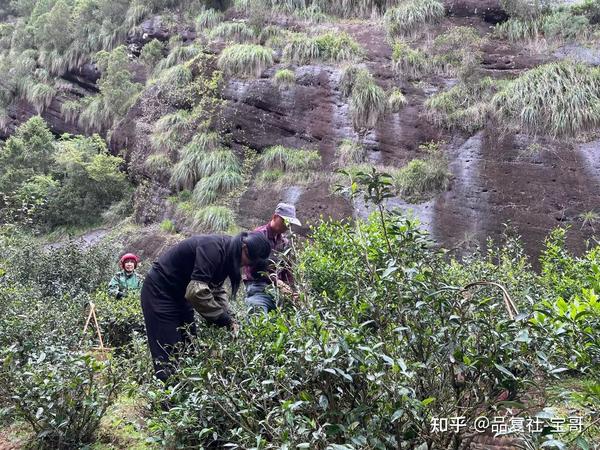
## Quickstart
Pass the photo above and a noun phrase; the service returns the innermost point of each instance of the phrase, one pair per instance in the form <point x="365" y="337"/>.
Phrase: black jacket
<point x="201" y="258"/>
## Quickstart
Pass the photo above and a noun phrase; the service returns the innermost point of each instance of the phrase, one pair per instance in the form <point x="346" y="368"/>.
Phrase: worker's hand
<point x="284" y="288"/>
<point x="235" y="328"/>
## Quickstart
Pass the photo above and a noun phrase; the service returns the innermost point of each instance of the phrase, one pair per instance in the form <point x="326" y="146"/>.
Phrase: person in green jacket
<point x="126" y="280"/>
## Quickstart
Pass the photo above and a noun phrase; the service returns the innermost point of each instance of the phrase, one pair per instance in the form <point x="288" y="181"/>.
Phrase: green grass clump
<point x="245" y="60"/>
<point x="301" y="49"/>
<point x="178" y="55"/>
<point x="189" y="168"/>
<point x="214" y="218"/>
<point x="208" y="19"/>
<point x="408" y="62"/>
<point x="350" y="153"/>
<point x="176" y="76"/>
<point x="284" y="78"/>
<point x="270" y="176"/>
<point x="40" y="95"/>
<point x="396" y="100"/>
<point x="515" y="29"/>
<point x="232" y="31"/>
<point x="158" y="165"/>
<point x="168" y="226"/>
<point x="337" y="47"/>
<point x="559" y="99"/>
<point x="411" y="16"/>
<point x="465" y="106"/>
<point x="421" y="179"/>
<point x="289" y="159"/>
<point x="368" y="102"/>
<point x="565" y="25"/>
<point x="327" y="48"/>
<point x="209" y="188"/>
<point x="218" y="161"/>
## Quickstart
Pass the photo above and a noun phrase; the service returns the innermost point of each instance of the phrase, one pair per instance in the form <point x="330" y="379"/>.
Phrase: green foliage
<point x="168" y="226"/>
<point x="208" y="19"/>
<point x="382" y="318"/>
<point x="565" y="25"/>
<point x="289" y="159"/>
<point x="526" y="9"/>
<point x="232" y="32"/>
<point x="327" y="48"/>
<point x="465" y="106"/>
<point x="368" y="102"/>
<point x="559" y="99"/>
<point x="159" y="166"/>
<point x="245" y="60"/>
<point x="90" y="181"/>
<point x="422" y="179"/>
<point x="214" y="218"/>
<point x="350" y="152"/>
<point x="561" y="24"/>
<point x="396" y="100"/>
<point x="408" y="62"/>
<point x="589" y="9"/>
<point x="284" y="78"/>
<point x="208" y="188"/>
<point x="58" y="393"/>
<point x="189" y="168"/>
<point x="411" y="16"/>
<point x="178" y="55"/>
<point x="315" y="9"/>
<point x="152" y="53"/>
<point x="515" y="29"/>
<point x="68" y="182"/>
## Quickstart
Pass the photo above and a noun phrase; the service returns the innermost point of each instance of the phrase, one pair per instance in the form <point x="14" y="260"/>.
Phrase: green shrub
<point x="422" y="179"/>
<point x="378" y="321"/>
<point x="465" y="106"/>
<point x="214" y="219"/>
<point x="158" y="165"/>
<point x="409" y="63"/>
<point x="168" y="226"/>
<point x="565" y="25"/>
<point x="208" y="19"/>
<point x="559" y="99"/>
<point x="411" y="16"/>
<point x="40" y="96"/>
<point x="588" y="8"/>
<point x="301" y="49"/>
<point x="178" y="55"/>
<point x="284" y="78"/>
<point x="350" y="152"/>
<point x="61" y="394"/>
<point x="245" y="60"/>
<point x="396" y="100"/>
<point x="152" y="53"/>
<point x="218" y="161"/>
<point x="232" y="31"/>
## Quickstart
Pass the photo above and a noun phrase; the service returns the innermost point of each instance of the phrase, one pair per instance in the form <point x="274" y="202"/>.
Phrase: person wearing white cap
<point x="256" y="295"/>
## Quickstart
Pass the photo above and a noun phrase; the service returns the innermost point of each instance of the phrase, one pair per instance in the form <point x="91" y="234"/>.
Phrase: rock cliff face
<point x="496" y="180"/>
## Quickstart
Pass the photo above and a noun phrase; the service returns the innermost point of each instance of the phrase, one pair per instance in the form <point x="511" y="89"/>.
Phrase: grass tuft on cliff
<point x="560" y="99"/>
<point x="245" y="60"/>
<point x="214" y="219"/>
<point x="208" y="19"/>
<point x="409" y="17"/>
<point x="284" y="78"/>
<point x="327" y="48"/>
<point x="232" y="32"/>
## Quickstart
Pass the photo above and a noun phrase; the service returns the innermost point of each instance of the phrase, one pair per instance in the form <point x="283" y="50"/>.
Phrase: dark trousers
<point x="257" y="299"/>
<point x="169" y="321"/>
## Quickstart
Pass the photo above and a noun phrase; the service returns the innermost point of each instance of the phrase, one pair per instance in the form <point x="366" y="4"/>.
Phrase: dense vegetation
<point x="384" y="338"/>
<point x="390" y="331"/>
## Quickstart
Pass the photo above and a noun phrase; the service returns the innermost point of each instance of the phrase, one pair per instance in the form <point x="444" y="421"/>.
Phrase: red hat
<point x="127" y="257"/>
